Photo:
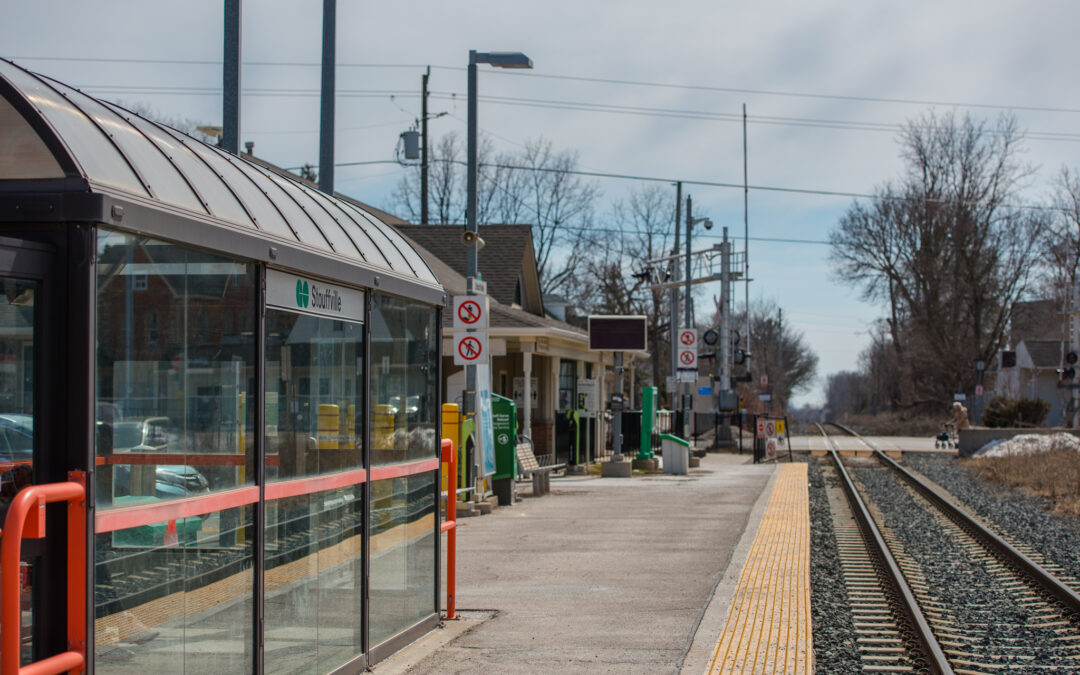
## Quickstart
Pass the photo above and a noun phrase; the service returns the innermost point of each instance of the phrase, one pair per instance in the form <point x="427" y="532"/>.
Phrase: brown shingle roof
<point x="502" y="315"/>
<point x="500" y="262"/>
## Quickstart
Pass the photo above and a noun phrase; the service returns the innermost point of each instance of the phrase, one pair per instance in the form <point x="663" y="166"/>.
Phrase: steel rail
<point x="931" y="648"/>
<point x="1047" y="581"/>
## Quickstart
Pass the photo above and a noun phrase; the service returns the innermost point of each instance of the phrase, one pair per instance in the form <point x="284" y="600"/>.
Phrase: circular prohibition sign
<point x="687" y="358"/>
<point x="469" y="349"/>
<point x="469" y="312"/>
<point x="687" y="338"/>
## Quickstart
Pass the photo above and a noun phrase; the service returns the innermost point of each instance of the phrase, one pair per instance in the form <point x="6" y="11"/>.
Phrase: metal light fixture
<point x="471" y="237"/>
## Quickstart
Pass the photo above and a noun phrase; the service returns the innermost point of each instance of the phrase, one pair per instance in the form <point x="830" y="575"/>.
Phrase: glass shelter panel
<point x="404" y="392"/>
<point x="314" y="383"/>
<point x="175" y="369"/>
<point x="402" y="553"/>
<point x="314" y="581"/>
<point x="175" y="596"/>
<point x="175" y="377"/>
<point x="17" y="416"/>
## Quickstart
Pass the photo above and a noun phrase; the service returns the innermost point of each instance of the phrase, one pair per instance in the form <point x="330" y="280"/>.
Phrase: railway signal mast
<point x="717" y="263"/>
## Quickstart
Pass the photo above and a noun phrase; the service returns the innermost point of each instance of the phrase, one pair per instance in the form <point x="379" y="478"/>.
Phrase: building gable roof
<point x="506" y="260"/>
<point x="1044" y="353"/>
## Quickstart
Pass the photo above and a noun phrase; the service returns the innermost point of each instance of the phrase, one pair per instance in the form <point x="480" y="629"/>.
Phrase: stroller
<point x="947" y="438"/>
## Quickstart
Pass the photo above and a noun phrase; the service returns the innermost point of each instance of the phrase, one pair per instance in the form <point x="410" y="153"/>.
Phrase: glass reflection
<point x="314" y="581"/>
<point x="17" y="419"/>
<point x="175" y="370"/>
<point x="175" y="596"/>
<point x="314" y="397"/>
<point x="402" y="553"/>
<point x="404" y="393"/>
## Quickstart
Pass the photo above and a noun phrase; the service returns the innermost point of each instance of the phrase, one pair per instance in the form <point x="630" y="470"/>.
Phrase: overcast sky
<point x="864" y="67"/>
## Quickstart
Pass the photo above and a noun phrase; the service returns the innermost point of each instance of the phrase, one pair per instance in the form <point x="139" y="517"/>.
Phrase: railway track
<point x="962" y="599"/>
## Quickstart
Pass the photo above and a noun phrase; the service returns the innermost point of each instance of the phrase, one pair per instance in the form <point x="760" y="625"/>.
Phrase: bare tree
<point x="944" y="247"/>
<point x="1061" y="240"/>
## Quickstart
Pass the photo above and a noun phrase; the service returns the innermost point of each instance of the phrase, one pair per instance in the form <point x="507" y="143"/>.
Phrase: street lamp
<point x="498" y="60"/>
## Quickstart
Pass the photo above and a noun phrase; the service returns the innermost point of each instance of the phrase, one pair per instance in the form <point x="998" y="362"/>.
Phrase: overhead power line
<point x="582" y="78"/>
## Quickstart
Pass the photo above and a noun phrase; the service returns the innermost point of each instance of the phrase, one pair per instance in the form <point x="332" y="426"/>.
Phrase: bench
<point x="537" y="468"/>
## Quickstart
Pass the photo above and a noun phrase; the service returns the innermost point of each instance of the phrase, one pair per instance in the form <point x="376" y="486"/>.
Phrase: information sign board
<point x="617" y="333"/>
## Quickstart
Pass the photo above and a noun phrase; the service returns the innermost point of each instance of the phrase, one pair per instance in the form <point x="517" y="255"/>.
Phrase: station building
<point x="202" y="342"/>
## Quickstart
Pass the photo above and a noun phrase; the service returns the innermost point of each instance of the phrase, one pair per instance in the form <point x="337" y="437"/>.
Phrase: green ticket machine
<point x="504" y="427"/>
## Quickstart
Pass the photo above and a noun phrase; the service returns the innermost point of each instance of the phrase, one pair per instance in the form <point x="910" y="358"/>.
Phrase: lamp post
<point x="471" y="238"/>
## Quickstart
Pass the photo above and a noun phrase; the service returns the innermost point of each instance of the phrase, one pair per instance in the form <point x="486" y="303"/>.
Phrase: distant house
<point x="1034" y="375"/>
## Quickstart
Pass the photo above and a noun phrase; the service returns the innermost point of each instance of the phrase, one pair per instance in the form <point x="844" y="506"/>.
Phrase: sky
<point x="656" y="89"/>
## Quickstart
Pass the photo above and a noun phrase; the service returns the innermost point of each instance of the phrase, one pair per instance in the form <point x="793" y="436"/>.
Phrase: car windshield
<point x="127" y="435"/>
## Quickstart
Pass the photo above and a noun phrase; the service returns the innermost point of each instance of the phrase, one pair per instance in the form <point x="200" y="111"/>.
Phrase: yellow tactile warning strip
<point x="768" y="628"/>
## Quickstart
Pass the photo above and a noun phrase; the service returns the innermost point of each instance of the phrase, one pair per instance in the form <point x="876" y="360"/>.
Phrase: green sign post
<point x="648" y="422"/>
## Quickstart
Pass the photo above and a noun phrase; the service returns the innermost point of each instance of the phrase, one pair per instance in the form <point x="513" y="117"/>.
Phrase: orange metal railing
<point x="449" y="456"/>
<point x="26" y="520"/>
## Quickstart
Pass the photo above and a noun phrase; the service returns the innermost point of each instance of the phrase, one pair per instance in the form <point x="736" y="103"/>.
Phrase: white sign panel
<point x="686" y="354"/>
<point x="297" y="293"/>
<point x="470" y="349"/>
<point x="587" y="395"/>
<point x="485" y="432"/>
<point x="519" y="392"/>
<point x="470" y="312"/>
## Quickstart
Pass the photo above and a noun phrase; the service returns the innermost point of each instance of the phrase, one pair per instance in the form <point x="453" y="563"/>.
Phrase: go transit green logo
<point x="302" y="294"/>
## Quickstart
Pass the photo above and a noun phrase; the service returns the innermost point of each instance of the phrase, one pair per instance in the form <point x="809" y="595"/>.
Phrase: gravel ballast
<point x="1021" y="517"/>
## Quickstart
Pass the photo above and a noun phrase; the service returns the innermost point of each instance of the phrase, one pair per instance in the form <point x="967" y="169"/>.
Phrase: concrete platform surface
<point x="602" y="575"/>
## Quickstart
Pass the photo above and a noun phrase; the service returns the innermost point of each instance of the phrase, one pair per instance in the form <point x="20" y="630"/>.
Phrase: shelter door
<point x="29" y="414"/>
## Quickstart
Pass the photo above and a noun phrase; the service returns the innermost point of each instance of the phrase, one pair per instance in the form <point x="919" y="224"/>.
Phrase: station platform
<point x="656" y="573"/>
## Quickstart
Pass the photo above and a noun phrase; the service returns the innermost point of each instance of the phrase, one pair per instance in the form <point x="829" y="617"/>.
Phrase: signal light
<point x="1071" y="358"/>
<point x="1068" y="373"/>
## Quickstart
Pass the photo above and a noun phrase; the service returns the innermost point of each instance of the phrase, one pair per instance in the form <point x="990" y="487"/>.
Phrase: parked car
<point x="170" y="481"/>
<point x="16" y="438"/>
<point x="148" y="434"/>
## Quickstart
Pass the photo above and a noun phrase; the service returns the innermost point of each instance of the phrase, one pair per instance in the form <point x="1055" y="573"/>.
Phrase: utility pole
<point x="780" y="349"/>
<point x="230" y="124"/>
<point x="725" y="329"/>
<point x="673" y="295"/>
<point x="326" y="117"/>
<point x="746" y="230"/>
<point x="424" y="149"/>
<point x="689" y="319"/>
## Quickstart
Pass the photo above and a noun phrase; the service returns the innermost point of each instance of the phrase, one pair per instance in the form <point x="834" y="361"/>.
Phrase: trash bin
<point x="676" y="454"/>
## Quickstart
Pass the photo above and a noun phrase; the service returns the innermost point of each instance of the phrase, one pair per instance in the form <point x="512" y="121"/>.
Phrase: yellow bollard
<point x="328" y="426"/>
<point x="451" y="421"/>
<point x="383" y="433"/>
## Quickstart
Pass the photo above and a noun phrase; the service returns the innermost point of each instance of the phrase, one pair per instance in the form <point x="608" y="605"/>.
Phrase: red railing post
<point x="449" y="455"/>
<point x="32" y="499"/>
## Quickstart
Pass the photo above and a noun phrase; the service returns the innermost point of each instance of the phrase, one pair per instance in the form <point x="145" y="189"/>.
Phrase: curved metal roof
<point x="119" y="153"/>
